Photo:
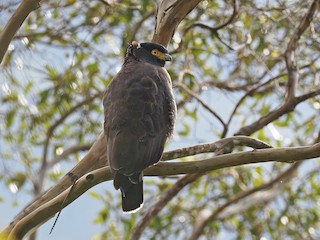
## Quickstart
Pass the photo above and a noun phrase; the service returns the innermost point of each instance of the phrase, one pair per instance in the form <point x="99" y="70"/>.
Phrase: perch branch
<point x="96" y="158"/>
<point x="47" y="210"/>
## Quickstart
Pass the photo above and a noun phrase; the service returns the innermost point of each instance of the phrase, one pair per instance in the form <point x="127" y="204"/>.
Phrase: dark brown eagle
<point x="140" y="112"/>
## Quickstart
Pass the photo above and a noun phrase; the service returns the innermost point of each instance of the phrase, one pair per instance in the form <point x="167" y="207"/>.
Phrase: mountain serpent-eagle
<point x="140" y="113"/>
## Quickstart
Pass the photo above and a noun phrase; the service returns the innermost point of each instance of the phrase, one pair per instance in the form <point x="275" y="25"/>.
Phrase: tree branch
<point x="292" y="69"/>
<point x="281" y="179"/>
<point x="225" y="145"/>
<point x="67" y="152"/>
<point x="46" y="210"/>
<point x="249" y="93"/>
<point x="285" y="155"/>
<point x="169" y="15"/>
<point x="287" y="107"/>
<point x="161" y="203"/>
<point x="94" y="159"/>
<point x="291" y="101"/>
<point x="214" y="30"/>
<point x="51" y="130"/>
<point x="15" y="22"/>
<point x="203" y="104"/>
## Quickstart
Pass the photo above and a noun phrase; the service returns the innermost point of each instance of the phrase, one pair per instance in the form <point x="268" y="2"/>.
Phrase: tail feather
<point x="132" y="201"/>
<point x="132" y="194"/>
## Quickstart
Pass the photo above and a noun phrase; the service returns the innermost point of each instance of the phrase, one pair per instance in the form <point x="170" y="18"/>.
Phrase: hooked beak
<point x="164" y="56"/>
<point x="167" y="57"/>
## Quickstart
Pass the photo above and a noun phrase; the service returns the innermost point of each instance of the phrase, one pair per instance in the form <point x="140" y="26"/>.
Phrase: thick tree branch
<point x="288" y="155"/>
<point x="169" y="15"/>
<point x="96" y="158"/>
<point x="47" y="210"/>
<point x="15" y="22"/>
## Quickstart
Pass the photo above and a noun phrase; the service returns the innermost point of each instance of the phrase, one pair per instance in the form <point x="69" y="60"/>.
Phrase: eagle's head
<point x="152" y="53"/>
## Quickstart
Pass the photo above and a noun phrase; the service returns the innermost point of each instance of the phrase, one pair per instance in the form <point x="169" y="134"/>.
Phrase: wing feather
<point x="137" y="107"/>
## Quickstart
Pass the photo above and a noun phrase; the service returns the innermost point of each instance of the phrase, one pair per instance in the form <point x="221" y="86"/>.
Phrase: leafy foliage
<point x="65" y="55"/>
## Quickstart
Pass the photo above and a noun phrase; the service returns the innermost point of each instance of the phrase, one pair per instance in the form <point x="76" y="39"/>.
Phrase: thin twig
<point x="63" y="203"/>
<point x="249" y="93"/>
<point x="291" y="101"/>
<point x="139" y="24"/>
<point x="203" y="104"/>
<point x="284" y="177"/>
<point x="213" y="30"/>
<point x="67" y="152"/>
<point x="161" y="203"/>
<point x="292" y="68"/>
<point x="52" y="128"/>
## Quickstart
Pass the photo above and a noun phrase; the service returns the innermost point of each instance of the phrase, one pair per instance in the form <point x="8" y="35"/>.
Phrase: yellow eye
<point x="155" y="52"/>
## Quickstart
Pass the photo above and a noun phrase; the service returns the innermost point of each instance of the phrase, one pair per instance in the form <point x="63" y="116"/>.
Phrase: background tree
<point x="240" y="68"/>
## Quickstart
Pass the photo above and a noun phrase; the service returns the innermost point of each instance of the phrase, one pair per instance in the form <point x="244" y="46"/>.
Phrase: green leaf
<point x="10" y="117"/>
